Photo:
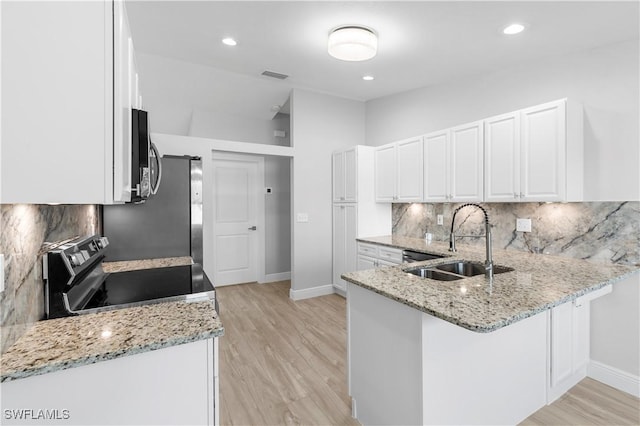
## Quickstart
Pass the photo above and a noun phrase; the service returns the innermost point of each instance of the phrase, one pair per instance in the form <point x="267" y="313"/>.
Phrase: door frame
<point x="260" y="207"/>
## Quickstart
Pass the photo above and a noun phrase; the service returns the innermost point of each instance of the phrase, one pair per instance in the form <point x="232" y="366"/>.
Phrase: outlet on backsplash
<point x="523" y="225"/>
<point x="440" y="219"/>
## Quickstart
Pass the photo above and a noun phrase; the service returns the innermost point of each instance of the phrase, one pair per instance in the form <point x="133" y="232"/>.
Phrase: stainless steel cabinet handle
<point x="515" y="195"/>
<point x="253" y="228"/>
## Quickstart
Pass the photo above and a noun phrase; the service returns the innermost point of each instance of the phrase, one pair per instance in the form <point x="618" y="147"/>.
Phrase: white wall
<point x="615" y="327"/>
<point x="604" y="80"/>
<point x="185" y="98"/>
<point x="320" y="124"/>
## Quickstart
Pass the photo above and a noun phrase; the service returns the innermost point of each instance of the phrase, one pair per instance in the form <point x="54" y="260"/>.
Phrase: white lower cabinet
<point x="569" y="343"/>
<point x="371" y="256"/>
<point x="177" y="385"/>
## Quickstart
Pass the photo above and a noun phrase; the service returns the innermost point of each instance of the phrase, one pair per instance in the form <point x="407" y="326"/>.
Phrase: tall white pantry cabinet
<point x="69" y="82"/>
<point x="355" y="212"/>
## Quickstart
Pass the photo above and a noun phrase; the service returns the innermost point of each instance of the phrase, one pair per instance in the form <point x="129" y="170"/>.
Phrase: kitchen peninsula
<point x="468" y="352"/>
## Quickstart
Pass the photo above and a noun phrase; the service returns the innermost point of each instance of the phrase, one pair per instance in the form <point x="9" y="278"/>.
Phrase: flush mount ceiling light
<point x="229" y="41"/>
<point x="513" y="29"/>
<point x="352" y="43"/>
<point x="367" y="77"/>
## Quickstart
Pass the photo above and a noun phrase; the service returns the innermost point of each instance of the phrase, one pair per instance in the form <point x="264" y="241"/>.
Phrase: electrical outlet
<point x="440" y="219"/>
<point x="302" y="217"/>
<point x="523" y="225"/>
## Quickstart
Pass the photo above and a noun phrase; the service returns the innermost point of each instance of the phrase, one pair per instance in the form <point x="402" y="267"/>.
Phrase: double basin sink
<point x="455" y="271"/>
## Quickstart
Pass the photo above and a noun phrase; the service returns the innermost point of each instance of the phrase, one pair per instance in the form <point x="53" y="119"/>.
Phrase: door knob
<point x="253" y="228"/>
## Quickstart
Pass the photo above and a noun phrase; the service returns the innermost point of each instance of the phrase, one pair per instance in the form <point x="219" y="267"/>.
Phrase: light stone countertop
<point x="63" y="343"/>
<point x="538" y="282"/>
<point x="134" y="265"/>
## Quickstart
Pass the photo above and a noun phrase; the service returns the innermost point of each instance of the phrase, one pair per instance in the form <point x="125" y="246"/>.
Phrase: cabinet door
<point x="502" y="158"/>
<point x="345" y="250"/>
<point x="56" y="103"/>
<point x="569" y="351"/>
<point x="385" y="173"/>
<point x="365" y="262"/>
<point x="350" y="175"/>
<point x="543" y="157"/>
<point x="436" y="166"/>
<point x="337" y="166"/>
<point x="339" y="247"/>
<point x="409" y="170"/>
<point x="466" y="173"/>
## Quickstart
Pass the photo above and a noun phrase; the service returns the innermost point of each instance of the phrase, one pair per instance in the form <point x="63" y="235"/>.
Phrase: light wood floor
<point x="589" y="403"/>
<point x="283" y="362"/>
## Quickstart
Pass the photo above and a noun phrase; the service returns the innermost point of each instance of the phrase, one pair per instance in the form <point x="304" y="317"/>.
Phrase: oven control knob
<point x="76" y="259"/>
<point x="101" y="242"/>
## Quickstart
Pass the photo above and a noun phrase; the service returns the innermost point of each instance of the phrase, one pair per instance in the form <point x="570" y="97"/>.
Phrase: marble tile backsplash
<point x="603" y="231"/>
<point x="24" y="229"/>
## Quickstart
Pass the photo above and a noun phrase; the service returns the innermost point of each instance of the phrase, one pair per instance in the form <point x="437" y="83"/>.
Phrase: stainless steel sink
<point x="455" y="271"/>
<point x="434" y="274"/>
<point x="469" y="269"/>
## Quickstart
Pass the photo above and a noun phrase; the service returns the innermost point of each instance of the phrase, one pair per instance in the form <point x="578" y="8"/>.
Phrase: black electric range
<point x="76" y="283"/>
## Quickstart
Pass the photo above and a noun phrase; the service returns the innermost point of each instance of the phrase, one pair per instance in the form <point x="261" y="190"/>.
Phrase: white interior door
<point x="236" y="220"/>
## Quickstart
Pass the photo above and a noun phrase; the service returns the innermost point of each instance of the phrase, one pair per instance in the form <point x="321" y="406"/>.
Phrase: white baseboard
<point x="280" y="276"/>
<point x="308" y="293"/>
<point x="340" y="291"/>
<point x="615" y="378"/>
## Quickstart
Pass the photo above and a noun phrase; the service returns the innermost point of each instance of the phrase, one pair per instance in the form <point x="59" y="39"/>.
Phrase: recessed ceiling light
<point x="229" y="41"/>
<point x="367" y="77"/>
<point x="513" y="29"/>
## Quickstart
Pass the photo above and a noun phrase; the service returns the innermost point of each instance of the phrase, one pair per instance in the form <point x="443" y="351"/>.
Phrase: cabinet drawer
<point x="368" y="249"/>
<point x="390" y="254"/>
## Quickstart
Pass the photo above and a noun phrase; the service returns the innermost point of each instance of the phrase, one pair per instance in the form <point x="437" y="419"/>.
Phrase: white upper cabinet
<point x="436" y="166"/>
<point x="65" y="116"/>
<point x="454" y="164"/>
<point x="385" y="173"/>
<point x="345" y="172"/>
<point x="502" y="157"/>
<point x="535" y="154"/>
<point x="466" y="161"/>
<point x="399" y="171"/>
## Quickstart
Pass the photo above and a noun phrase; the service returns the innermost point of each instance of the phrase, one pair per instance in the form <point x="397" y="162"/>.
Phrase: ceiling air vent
<point x="275" y="75"/>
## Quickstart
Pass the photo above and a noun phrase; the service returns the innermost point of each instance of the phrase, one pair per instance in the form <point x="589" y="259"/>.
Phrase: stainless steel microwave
<point x="146" y="166"/>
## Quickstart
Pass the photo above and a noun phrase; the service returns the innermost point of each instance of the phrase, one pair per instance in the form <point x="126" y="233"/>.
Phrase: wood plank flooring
<point x="284" y="363"/>
<point x="589" y="403"/>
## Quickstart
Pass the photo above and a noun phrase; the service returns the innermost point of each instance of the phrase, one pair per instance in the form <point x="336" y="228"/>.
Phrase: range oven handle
<point x="154" y="188"/>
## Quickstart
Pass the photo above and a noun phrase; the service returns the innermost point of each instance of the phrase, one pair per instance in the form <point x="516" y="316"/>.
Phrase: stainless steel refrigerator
<point x="168" y="224"/>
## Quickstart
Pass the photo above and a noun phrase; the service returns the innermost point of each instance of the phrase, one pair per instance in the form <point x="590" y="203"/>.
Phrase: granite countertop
<point x="538" y="282"/>
<point x="63" y="343"/>
<point x="134" y="265"/>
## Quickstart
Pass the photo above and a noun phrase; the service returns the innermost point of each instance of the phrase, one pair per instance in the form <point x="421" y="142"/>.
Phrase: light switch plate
<point x="523" y="225"/>
<point x="302" y="217"/>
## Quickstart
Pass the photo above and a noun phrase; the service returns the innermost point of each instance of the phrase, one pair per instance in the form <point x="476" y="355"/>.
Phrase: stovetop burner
<point x="76" y="283"/>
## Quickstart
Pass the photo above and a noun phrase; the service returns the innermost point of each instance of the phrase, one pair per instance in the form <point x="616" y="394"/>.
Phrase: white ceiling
<point x="421" y="43"/>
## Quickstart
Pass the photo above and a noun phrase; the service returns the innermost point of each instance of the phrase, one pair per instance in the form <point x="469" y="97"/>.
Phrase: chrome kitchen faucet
<point x="488" y="263"/>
